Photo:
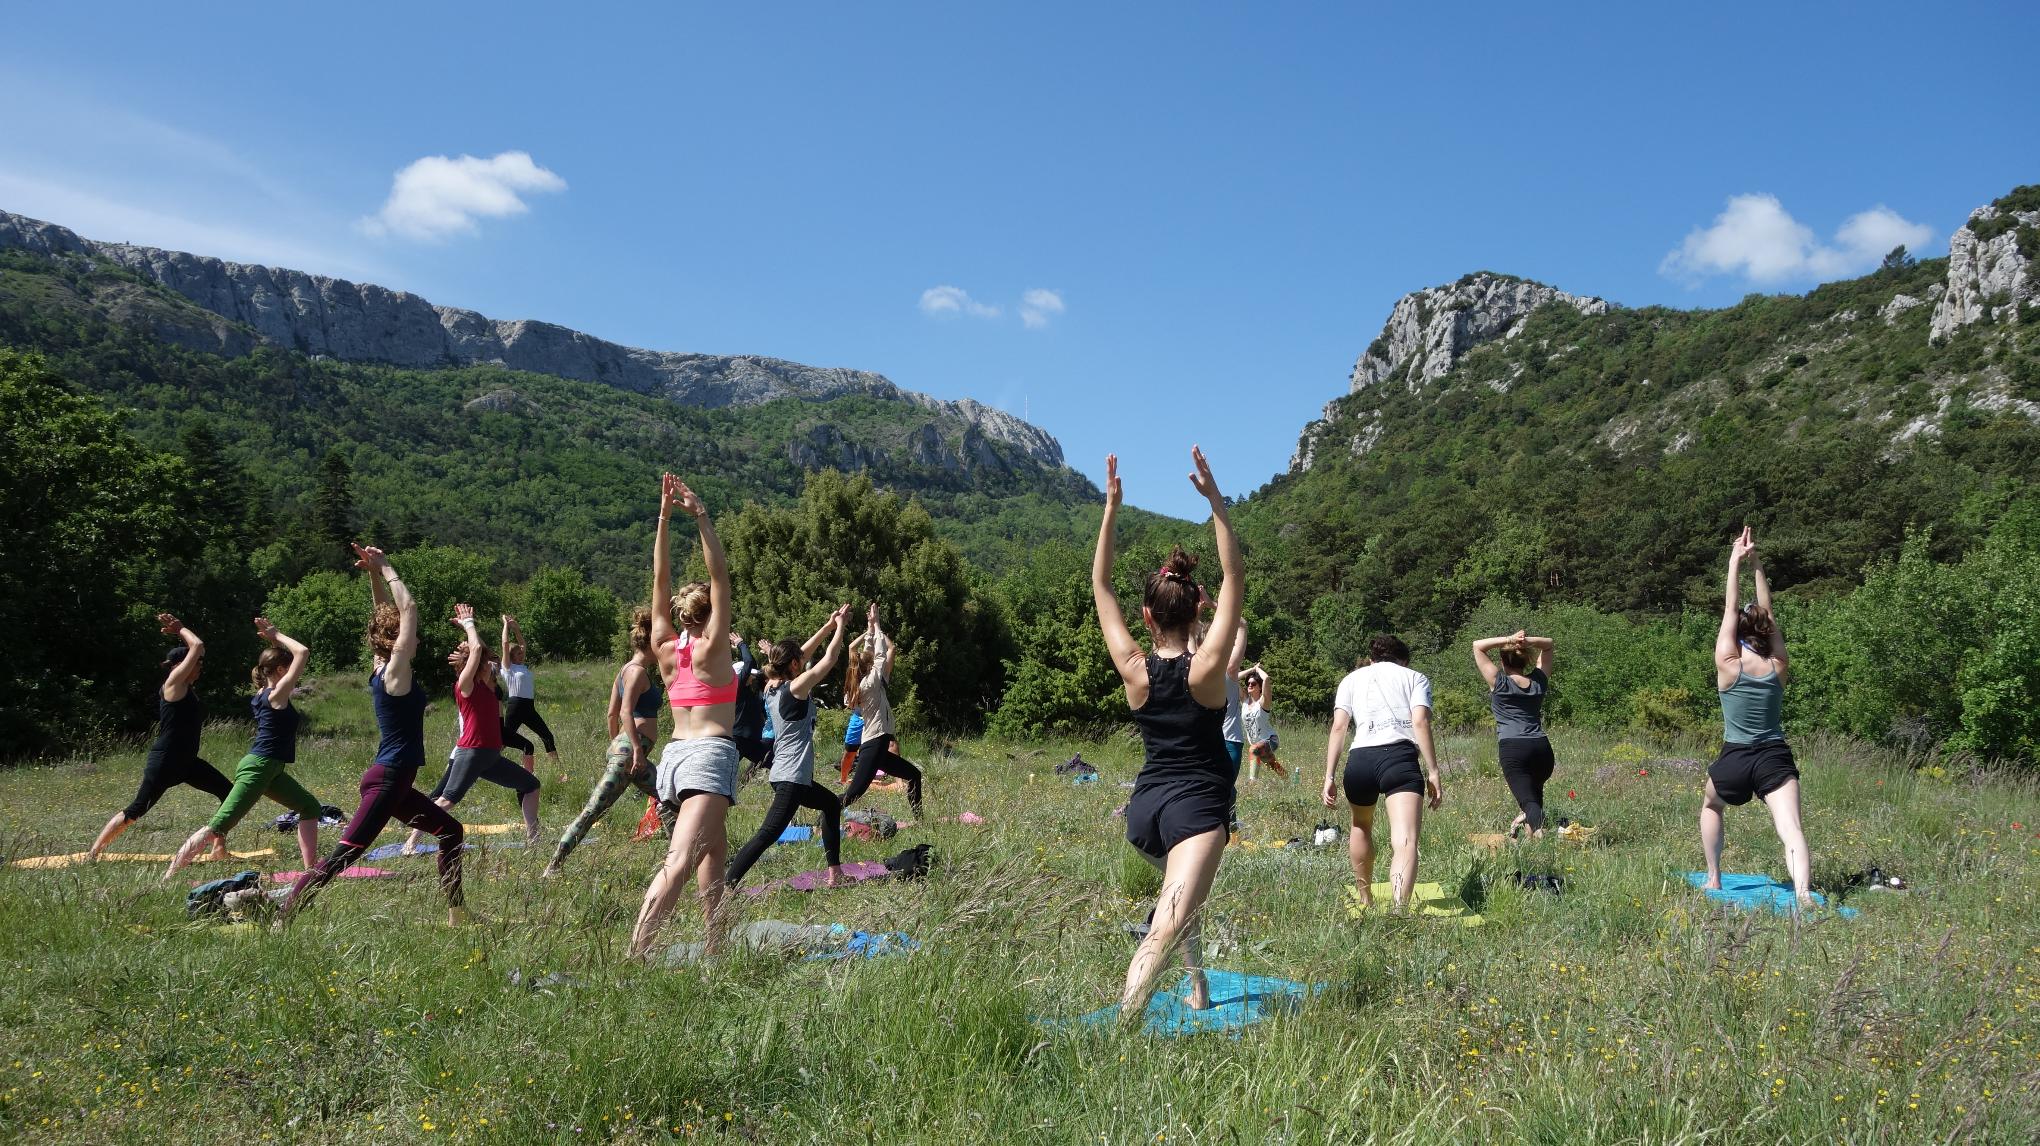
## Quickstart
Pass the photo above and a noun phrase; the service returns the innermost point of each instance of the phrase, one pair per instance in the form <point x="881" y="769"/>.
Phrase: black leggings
<point x="787" y="796"/>
<point x="162" y="773"/>
<point x="1527" y="763"/>
<point x="878" y="752"/>
<point x="517" y="713"/>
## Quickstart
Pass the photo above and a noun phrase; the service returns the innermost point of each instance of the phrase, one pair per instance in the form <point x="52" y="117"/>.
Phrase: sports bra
<point x="686" y="690"/>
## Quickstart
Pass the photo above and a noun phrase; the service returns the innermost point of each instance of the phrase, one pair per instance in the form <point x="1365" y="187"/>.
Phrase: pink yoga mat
<point x="350" y="873"/>
<point x="811" y="880"/>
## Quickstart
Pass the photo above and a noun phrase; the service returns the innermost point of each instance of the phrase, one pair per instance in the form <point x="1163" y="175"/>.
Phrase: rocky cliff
<point x="362" y="322"/>
<point x="1991" y="273"/>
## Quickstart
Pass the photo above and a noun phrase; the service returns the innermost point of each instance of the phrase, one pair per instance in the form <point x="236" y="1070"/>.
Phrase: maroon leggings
<point x="387" y="794"/>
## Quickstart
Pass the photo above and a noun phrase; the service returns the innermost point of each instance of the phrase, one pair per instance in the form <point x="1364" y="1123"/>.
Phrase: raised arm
<point x="663" y="631"/>
<point x="1544" y="647"/>
<point x="1267" y="686"/>
<point x="881" y="648"/>
<point x="471" y="671"/>
<point x="1126" y="654"/>
<point x="804" y="685"/>
<point x="280" y="692"/>
<point x="1727" y="652"/>
<point x="1208" y="665"/>
<point x="178" y="683"/>
<point x="716" y="633"/>
<point x="836" y="622"/>
<point x="1778" y="654"/>
<point x="509" y="630"/>
<point x="1484" y="656"/>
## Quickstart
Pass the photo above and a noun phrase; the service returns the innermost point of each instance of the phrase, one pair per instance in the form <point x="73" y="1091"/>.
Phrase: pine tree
<point x="333" y="507"/>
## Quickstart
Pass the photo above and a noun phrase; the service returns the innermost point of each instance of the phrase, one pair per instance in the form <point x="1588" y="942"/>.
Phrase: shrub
<point x="329" y="612"/>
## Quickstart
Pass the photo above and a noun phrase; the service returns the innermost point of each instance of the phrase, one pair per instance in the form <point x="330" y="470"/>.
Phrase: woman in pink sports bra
<point x="697" y="773"/>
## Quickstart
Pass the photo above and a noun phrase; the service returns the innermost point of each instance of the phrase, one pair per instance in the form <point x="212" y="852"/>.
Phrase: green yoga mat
<point x="1429" y="899"/>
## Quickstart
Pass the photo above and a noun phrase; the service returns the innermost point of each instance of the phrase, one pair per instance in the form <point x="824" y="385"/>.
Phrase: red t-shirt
<point x="481" y="717"/>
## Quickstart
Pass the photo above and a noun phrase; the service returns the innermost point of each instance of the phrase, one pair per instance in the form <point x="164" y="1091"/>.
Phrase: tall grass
<point x="1626" y="1010"/>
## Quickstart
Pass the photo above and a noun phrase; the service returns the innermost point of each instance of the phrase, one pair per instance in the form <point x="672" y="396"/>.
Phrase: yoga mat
<point x="810" y="880"/>
<point x="76" y="858"/>
<point x="1758" y="892"/>
<point x="491" y="829"/>
<point x="1237" y="1002"/>
<point x="1430" y="900"/>
<point x="1488" y="840"/>
<point x="431" y="847"/>
<point x="356" y="872"/>
<point x="797" y="834"/>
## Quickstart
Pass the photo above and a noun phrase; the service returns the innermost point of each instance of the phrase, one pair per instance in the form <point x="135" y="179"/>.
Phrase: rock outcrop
<point x="1991" y="271"/>
<point x="1430" y="330"/>
<point x="1425" y="337"/>
<point x="362" y="322"/>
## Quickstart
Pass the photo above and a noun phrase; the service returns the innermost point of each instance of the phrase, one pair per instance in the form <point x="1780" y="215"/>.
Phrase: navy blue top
<point x="649" y="701"/>
<point x="1184" y="739"/>
<point x="177" y="726"/>
<point x="275" y="730"/>
<point x="750" y="719"/>
<point x="402" y="722"/>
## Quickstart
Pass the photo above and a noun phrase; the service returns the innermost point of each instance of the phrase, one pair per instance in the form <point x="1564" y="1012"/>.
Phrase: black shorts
<point x="755" y="749"/>
<point x="1752" y="770"/>
<point x="1163" y="815"/>
<point x="1383" y="770"/>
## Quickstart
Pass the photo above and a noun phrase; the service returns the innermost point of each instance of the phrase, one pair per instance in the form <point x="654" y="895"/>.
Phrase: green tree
<point x="328" y="610"/>
<point x="440" y="576"/>
<point x="333" y="506"/>
<point x="85" y="511"/>
<point x="564" y="617"/>
<point x="845" y="541"/>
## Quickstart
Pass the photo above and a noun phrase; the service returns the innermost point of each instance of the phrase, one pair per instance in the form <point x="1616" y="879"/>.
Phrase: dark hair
<point x="779" y="659"/>
<point x="1171" y="594"/>
<point x="1753" y="627"/>
<point x="1388" y="647"/>
<point x="1514" y="659"/>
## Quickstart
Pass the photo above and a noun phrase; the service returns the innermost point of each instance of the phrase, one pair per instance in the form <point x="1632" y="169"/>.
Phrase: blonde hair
<point x="640" y="629"/>
<point x="861" y="655"/>
<point x="691" y="605"/>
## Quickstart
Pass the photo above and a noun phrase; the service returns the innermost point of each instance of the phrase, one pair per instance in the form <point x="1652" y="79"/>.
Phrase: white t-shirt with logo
<point x="1379" y="697"/>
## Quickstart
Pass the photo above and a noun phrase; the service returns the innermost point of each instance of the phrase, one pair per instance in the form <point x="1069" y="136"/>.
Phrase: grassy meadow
<point x="1626" y="1010"/>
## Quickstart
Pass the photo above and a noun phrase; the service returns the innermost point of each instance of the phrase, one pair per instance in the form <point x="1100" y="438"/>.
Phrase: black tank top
<point x="177" y="725"/>
<point x="649" y="701"/>
<point x="275" y="730"/>
<point x="1184" y="739"/>
<point x="402" y="721"/>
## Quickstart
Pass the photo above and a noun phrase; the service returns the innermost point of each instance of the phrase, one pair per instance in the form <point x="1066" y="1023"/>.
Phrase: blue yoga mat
<point x="797" y="834"/>
<point x="431" y="847"/>
<point x="1237" y="1001"/>
<point x="865" y="945"/>
<point x="1758" y="893"/>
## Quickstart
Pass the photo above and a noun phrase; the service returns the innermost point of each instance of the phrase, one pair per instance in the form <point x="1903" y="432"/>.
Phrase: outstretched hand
<point x="170" y="625"/>
<point x="1112" y="490"/>
<point x="266" y="629"/>
<point x="841" y="616"/>
<point x="367" y="556"/>
<point x="1744" y="545"/>
<point x="463" y="615"/>
<point x="1201" y="476"/>
<point x="674" y="493"/>
<point x="871" y="614"/>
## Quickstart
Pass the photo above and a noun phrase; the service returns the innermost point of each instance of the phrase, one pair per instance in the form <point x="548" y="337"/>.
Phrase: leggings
<point x="387" y="794"/>
<point x="882" y="752"/>
<point x="518" y="712"/>
<point x="256" y="777"/>
<point x="616" y="777"/>
<point x="471" y="764"/>
<point x="786" y="796"/>
<point x="1527" y="762"/>
<point x="162" y="773"/>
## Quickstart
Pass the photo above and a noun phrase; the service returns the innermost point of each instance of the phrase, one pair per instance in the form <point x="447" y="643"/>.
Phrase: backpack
<point x="911" y="864"/>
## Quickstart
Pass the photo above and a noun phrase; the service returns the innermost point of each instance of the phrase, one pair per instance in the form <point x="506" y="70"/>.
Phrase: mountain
<point x="1505" y="437"/>
<point x="362" y="322"/>
<point x="525" y="441"/>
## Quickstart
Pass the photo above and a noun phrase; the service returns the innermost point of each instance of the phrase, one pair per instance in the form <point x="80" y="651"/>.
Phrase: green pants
<point x="254" y="778"/>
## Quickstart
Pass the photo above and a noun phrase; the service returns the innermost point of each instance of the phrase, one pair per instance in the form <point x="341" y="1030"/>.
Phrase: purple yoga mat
<point x="811" y="880"/>
<point x="350" y="873"/>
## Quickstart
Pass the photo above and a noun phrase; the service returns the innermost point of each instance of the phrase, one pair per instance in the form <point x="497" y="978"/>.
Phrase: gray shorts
<point x="703" y="764"/>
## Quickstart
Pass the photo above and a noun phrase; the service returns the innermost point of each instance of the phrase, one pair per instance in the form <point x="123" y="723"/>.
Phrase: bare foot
<point x="1713" y="883"/>
<point x="1199" y="998"/>
<point x="550" y="872"/>
<point x="833" y="877"/>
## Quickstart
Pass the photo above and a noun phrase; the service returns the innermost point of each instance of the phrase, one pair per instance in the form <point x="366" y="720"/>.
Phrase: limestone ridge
<point x="1991" y="272"/>
<point x="1430" y="330"/>
<point x="363" y="322"/>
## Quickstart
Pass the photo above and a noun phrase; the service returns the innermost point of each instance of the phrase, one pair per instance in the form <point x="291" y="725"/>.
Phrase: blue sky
<point x="1225" y="201"/>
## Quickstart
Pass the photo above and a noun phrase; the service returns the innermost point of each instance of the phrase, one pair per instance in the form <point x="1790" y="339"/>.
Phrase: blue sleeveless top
<point x="275" y="730"/>
<point x="402" y="722"/>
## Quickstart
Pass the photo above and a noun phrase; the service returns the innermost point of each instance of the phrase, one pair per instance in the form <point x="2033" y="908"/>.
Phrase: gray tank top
<point x="1753" y="709"/>
<point x="1519" y="711"/>
<point x="793" y="750"/>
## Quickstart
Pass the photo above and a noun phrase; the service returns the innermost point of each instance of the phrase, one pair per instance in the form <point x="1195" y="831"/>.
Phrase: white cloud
<point x="946" y="301"/>
<point x="1037" y="306"/>
<point x="1755" y="237"/>
<point x="437" y="197"/>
